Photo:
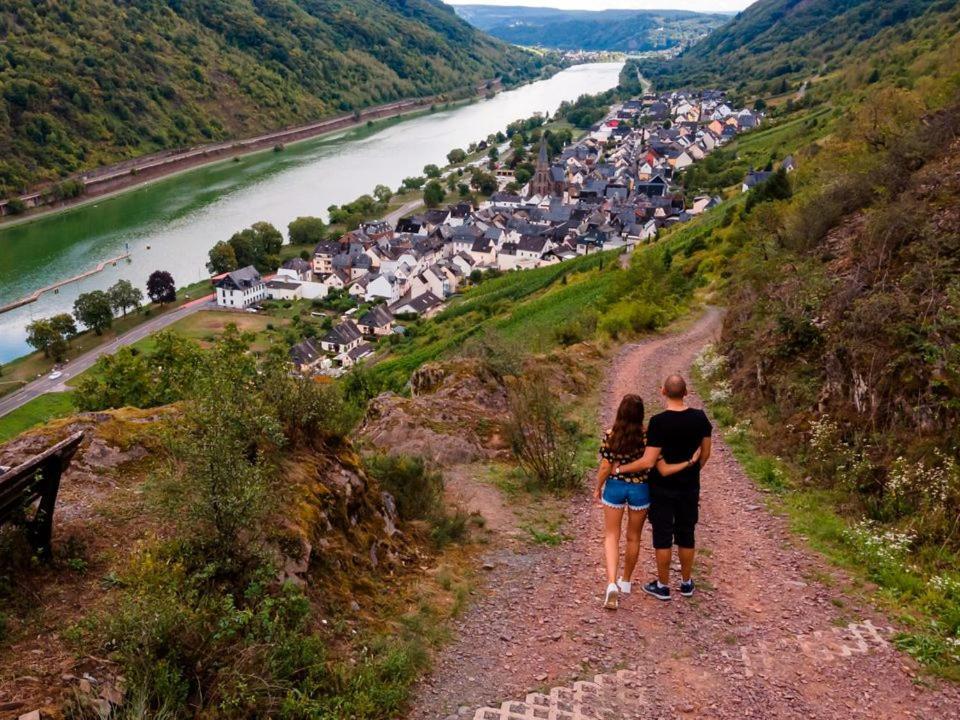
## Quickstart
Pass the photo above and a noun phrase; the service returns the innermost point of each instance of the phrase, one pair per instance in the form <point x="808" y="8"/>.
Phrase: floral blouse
<point x="623" y="459"/>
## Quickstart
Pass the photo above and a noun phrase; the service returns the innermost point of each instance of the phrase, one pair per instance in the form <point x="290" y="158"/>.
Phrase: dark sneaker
<point x="686" y="588"/>
<point x="660" y="593"/>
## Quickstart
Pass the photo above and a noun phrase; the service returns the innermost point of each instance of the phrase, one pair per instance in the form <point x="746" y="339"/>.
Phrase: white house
<point x="377" y="322"/>
<point x="343" y="338"/>
<point x="312" y="290"/>
<point x="382" y="286"/>
<point x="241" y="288"/>
<point x="356" y="354"/>
<point x="532" y="248"/>
<point x="464" y="262"/>
<point x="430" y="280"/>
<point x="426" y="305"/>
<point x="284" y="289"/>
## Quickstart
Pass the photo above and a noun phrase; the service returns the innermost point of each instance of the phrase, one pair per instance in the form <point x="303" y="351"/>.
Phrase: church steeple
<point x="540" y="183"/>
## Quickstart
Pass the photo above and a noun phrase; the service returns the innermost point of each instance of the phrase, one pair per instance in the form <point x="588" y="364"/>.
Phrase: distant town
<point x="613" y="189"/>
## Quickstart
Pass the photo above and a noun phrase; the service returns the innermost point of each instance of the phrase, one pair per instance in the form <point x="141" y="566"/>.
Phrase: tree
<point x="484" y="182"/>
<point x="267" y="241"/>
<point x="414" y="183"/>
<point x="308" y="230"/>
<point x="431" y="171"/>
<point x="383" y="194"/>
<point x="776" y="187"/>
<point x="160" y="287"/>
<point x="223" y="258"/>
<point x="493" y="154"/>
<point x="130" y="377"/>
<point x="258" y="245"/>
<point x="124" y="295"/>
<point x="94" y="310"/>
<point x="51" y="335"/>
<point x="433" y="194"/>
<point x="456" y="156"/>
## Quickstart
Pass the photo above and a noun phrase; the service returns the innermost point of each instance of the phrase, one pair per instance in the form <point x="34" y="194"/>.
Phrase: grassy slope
<point x="97" y="81"/>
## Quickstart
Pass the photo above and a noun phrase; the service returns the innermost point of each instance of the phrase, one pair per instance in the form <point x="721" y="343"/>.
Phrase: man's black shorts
<point x="673" y="516"/>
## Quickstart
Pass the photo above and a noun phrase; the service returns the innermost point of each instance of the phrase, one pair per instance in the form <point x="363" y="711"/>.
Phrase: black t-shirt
<point x="678" y="434"/>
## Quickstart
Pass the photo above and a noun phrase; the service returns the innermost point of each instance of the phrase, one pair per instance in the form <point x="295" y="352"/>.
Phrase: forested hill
<point x="83" y="82"/>
<point x="624" y="30"/>
<point x="776" y="44"/>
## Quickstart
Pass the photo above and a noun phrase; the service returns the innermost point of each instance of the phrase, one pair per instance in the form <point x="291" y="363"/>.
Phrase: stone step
<point x="611" y="696"/>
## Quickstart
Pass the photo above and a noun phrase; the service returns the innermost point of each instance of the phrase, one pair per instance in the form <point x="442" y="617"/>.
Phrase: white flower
<point x="878" y="547"/>
<point x="710" y="363"/>
<point x="946" y="585"/>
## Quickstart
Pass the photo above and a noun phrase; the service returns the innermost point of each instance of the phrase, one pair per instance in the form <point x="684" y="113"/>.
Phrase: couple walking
<point x="656" y="471"/>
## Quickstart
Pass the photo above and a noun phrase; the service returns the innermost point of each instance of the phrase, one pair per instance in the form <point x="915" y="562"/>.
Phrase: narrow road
<point x="76" y="366"/>
<point x="769" y="634"/>
<point x="404" y="209"/>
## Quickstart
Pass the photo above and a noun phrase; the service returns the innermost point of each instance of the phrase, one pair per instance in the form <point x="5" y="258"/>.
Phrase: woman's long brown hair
<point x="627" y="434"/>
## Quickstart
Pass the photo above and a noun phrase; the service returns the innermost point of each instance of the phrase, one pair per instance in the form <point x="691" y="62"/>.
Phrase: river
<point x="170" y="224"/>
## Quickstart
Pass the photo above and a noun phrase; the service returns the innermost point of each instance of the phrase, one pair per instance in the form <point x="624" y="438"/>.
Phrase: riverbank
<point x="105" y="182"/>
<point x="132" y="174"/>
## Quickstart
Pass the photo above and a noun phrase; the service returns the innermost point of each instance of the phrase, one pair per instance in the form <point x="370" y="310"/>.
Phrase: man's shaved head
<point x="675" y="387"/>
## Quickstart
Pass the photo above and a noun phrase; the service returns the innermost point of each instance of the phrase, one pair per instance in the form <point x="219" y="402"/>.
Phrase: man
<point x="677" y="432"/>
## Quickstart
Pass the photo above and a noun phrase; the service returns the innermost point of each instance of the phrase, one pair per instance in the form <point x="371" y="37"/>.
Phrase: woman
<point x="617" y="491"/>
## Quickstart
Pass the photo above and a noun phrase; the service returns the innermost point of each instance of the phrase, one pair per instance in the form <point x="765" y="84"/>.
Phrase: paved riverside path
<point x="44" y="384"/>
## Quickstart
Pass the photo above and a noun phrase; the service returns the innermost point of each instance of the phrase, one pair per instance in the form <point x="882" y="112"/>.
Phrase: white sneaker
<point x="624" y="586"/>
<point x="611" y="600"/>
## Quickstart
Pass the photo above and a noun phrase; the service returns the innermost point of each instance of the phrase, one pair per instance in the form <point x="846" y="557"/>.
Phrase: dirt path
<point x="764" y="638"/>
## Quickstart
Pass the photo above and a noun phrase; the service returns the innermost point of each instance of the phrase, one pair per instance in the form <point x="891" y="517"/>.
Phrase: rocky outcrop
<point x="454" y="414"/>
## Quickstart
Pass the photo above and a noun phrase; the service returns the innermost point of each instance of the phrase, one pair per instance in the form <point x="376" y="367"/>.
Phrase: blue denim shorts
<point x="621" y="494"/>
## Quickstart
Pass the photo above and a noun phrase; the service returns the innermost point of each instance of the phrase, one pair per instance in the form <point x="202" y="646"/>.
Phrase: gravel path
<point x="762" y="639"/>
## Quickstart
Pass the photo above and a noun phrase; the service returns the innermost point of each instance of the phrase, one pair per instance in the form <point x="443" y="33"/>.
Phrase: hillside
<point x="87" y="83"/>
<point x="624" y="30"/>
<point x="774" y="45"/>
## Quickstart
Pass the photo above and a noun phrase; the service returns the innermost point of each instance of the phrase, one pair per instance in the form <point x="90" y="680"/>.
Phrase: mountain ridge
<point x="611" y="29"/>
<point x="92" y="83"/>
<point x="773" y="45"/>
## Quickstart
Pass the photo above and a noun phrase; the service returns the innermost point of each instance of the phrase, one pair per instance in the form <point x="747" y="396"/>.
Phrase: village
<point x="615" y="188"/>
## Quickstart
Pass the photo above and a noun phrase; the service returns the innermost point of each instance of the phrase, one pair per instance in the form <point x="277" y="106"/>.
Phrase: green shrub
<point x="418" y="492"/>
<point x="570" y="333"/>
<point x="545" y="441"/>
<point x="16" y="206"/>
<point x="499" y="355"/>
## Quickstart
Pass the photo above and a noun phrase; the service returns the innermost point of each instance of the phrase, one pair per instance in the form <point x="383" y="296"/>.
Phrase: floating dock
<point x="57" y="285"/>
